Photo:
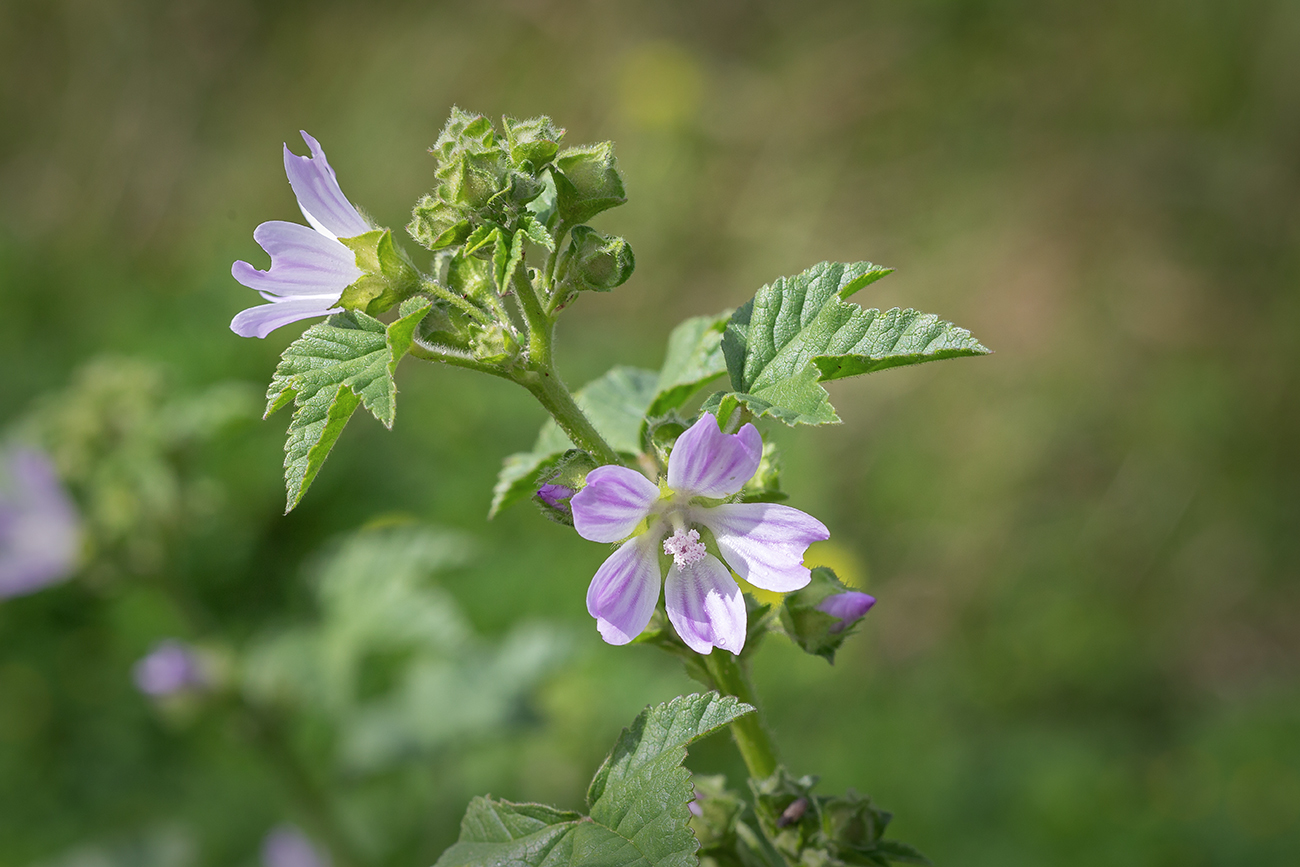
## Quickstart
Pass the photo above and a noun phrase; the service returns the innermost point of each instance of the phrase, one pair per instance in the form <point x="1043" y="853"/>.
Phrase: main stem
<point x="550" y="391"/>
<point x="750" y="732"/>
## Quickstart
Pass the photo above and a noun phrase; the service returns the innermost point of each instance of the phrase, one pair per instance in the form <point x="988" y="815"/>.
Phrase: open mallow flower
<point x="686" y="519"/>
<point x="310" y="267"/>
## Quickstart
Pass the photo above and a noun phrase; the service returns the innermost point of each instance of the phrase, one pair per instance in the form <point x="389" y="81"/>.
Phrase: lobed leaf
<point x="801" y="331"/>
<point x="345" y="361"/>
<point x="638" y="802"/>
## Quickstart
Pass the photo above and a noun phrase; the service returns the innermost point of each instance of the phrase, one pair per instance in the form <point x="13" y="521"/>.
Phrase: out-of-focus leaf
<point x="694" y="358"/>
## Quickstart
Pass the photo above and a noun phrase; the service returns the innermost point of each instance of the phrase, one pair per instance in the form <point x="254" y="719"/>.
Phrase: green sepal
<point x="615" y="403"/>
<point x="435" y="225"/>
<point x="801" y="331"/>
<point x="765" y="485"/>
<point x="813" y="630"/>
<point x="388" y="279"/>
<point x="819" y="829"/>
<point x="345" y="361"/>
<point x="594" y="261"/>
<point x="587" y="182"/>
<point x="479" y="238"/>
<point x="720" y="808"/>
<point x="637" y="802"/>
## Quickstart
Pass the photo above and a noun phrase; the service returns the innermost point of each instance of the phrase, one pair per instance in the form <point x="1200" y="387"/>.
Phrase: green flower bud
<point x="587" y="182"/>
<point x="534" y="142"/>
<point x="594" y="261"/>
<point x="819" y="617"/>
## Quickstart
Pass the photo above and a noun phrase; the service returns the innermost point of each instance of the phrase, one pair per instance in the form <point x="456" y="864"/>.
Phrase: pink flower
<point x="310" y="267"/>
<point x="763" y="542"/>
<point x="40" y="532"/>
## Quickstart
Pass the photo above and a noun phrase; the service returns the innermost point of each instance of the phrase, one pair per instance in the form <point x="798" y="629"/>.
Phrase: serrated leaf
<point x="536" y="232"/>
<point x="638" y="802"/>
<point x="800" y="331"/>
<point x="616" y="404"/>
<point x="345" y="361"/>
<point x="480" y="237"/>
<point x="694" y="358"/>
<point x="506" y="258"/>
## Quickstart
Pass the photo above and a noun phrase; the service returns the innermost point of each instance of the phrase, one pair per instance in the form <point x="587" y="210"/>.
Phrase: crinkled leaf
<point x="345" y="361"/>
<point x="638" y="802"/>
<point x="615" y="403"/>
<point x="802" y="330"/>
<point x="536" y="232"/>
<point x="694" y="358"/>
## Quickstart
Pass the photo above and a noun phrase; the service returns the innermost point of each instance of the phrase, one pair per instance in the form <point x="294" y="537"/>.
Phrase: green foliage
<point x="391" y="664"/>
<point x="616" y="404"/>
<point x="813" y="630"/>
<point x="801" y="331"/>
<point x="345" y="361"/>
<point x="820" y="829"/>
<point x="694" y="358"/>
<point x="637" y="802"/>
<point x="120" y="435"/>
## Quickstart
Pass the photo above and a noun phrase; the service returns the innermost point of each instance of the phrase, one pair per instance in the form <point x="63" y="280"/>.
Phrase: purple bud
<point x="556" y="496"/>
<point x="286" y="846"/>
<point x="846" y="607"/>
<point x="171" y="667"/>
<point x="40" y="533"/>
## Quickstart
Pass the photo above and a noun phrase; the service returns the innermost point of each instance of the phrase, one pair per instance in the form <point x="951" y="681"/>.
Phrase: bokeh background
<point x="1085" y="546"/>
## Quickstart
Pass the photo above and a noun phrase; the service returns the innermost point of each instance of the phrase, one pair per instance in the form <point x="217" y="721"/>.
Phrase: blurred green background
<point x="1085" y="546"/>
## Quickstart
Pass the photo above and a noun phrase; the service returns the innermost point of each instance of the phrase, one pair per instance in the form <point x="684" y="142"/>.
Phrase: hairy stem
<point x="550" y="391"/>
<point x="750" y="732"/>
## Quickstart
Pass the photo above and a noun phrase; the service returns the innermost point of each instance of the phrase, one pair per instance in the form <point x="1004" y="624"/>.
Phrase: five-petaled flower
<point x="764" y="543"/>
<point x="310" y="267"/>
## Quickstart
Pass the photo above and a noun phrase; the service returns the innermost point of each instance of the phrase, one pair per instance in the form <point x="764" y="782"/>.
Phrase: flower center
<point x="685" y="547"/>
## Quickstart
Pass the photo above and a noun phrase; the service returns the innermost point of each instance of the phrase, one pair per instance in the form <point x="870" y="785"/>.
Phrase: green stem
<point x="750" y="732"/>
<point x="550" y="391"/>
<point x="540" y="326"/>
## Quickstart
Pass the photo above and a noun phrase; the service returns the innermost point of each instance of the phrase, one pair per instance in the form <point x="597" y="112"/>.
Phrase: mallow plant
<point x="670" y="467"/>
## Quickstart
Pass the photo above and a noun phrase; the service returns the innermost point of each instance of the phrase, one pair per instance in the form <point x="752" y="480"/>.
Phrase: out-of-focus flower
<point x="171" y="667"/>
<point x="286" y="846"/>
<point x="763" y="542"/>
<point x="846" y="607"/>
<point x="40" y="532"/>
<point x="310" y="267"/>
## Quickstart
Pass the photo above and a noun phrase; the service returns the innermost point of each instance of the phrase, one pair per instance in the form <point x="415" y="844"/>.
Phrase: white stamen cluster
<point x="685" y="547"/>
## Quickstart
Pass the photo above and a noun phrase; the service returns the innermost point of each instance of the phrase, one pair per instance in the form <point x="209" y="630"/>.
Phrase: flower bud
<point x="595" y="262"/>
<point x="820" y="616"/>
<point x="171" y="667"/>
<point x="587" y="182"/>
<point x="534" y="141"/>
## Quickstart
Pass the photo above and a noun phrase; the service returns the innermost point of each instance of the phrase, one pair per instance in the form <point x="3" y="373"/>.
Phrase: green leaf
<point x="694" y="358"/>
<point x="637" y="801"/>
<point x="800" y="331"/>
<point x="536" y="232"/>
<point x="506" y="258"/>
<point x="615" y="403"/>
<point x="345" y="361"/>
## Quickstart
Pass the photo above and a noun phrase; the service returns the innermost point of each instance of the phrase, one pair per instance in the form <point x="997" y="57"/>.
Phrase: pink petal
<point x="262" y="320"/>
<point x="40" y="531"/>
<point x="705" y="606"/>
<point x="708" y="463"/>
<point x="847" y="607"/>
<point x="303" y="262"/>
<point x="623" y="594"/>
<point x="764" y="542"/>
<point x="319" y="196"/>
<point x="614" y="502"/>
